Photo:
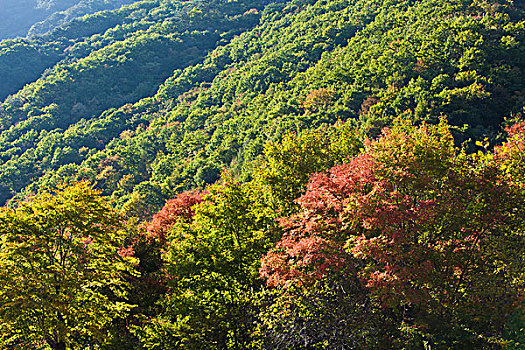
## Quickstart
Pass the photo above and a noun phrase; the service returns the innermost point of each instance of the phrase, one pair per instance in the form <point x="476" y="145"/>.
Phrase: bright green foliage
<point x="61" y="273"/>
<point x="213" y="266"/>
<point x="108" y="60"/>
<point x="163" y="96"/>
<point x="288" y="164"/>
<point x="23" y="60"/>
<point x="213" y="257"/>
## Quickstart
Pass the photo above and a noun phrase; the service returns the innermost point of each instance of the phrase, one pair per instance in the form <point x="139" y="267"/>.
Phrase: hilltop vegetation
<point x="80" y="9"/>
<point x="307" y="174"/>
<point x="19" y="15"/>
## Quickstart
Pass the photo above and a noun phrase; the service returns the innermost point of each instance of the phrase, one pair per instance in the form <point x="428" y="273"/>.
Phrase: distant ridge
<point x="19" y="18"/>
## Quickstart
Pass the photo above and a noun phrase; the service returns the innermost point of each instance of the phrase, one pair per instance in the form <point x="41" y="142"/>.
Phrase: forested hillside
<point x="295" y="66"/>
<point x="339" y="174"/>
<point x="100" y="72"/>
<point x="79" y="9"/>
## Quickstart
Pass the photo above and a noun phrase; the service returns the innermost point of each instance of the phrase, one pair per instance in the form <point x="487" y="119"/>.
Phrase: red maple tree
<point x="178" y="208"/>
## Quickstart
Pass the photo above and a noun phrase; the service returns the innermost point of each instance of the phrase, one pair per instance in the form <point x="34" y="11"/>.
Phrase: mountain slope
<point x="304" y="64"/>
<point x="104" y="71"/>
<point x="17" y="16"/>
<point x="80" y="9"/>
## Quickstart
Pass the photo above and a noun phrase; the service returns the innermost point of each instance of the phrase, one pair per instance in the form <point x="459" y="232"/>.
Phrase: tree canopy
<point x="63" y="269"/>
<point x="253" y="174"/>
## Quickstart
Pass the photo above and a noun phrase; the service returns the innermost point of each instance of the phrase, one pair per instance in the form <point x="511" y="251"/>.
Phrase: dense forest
<point x="254" y="174"/>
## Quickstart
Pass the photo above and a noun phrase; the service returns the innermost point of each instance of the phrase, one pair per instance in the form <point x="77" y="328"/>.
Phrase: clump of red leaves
<point x="412" y="216"/>
<point x="178" y="208"/>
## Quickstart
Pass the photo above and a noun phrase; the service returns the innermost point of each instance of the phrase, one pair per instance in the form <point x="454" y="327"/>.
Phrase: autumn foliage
<point x="387" y="243"/>
<point x="178" y="208"/>
<point x="423" y="225"/>
<point x="509" y="156"/>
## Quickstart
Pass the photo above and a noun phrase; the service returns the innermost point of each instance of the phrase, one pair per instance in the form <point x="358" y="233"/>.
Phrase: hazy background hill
<point x="18" y="18"/>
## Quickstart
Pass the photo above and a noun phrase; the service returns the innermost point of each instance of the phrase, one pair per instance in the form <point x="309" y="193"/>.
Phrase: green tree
<point x="62" y="269"/>
<point x="289" y="163"/>
<point x="212" y="260"/>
